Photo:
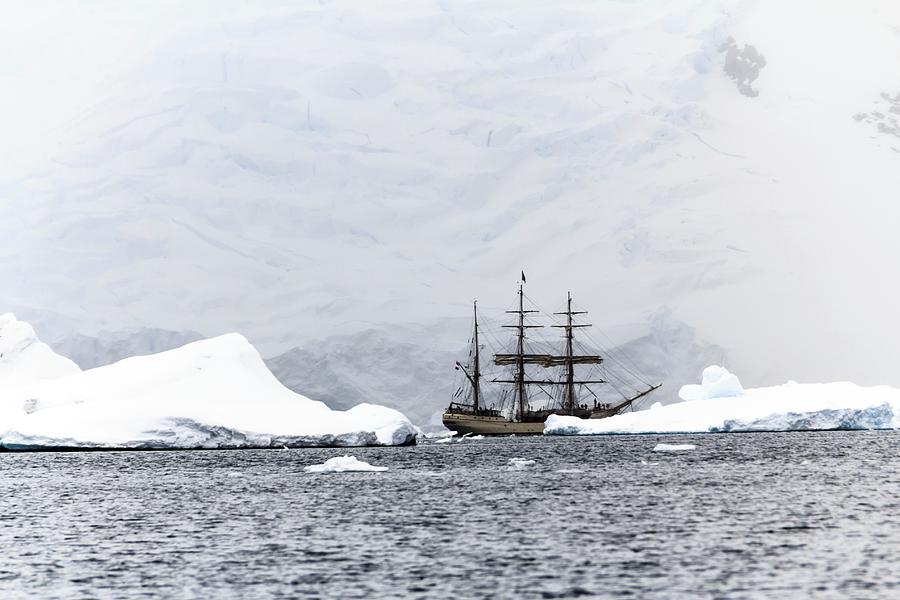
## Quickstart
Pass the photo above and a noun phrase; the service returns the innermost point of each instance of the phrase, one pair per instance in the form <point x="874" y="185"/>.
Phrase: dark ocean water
<point x="800" y="515"/>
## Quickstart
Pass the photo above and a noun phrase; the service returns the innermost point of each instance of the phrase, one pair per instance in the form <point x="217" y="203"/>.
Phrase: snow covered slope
<point x="340" y="165"/>
<point x="211" y="393"/>
<point x="24" y="359"/>
<point x="722" y="405"/>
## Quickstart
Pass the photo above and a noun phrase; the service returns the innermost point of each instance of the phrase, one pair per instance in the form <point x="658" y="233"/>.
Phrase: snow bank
<point x="209" y="394"/>
<point x="24" y="359"/>
<point x="720" y="399"/>
<point x="342" y="464"/>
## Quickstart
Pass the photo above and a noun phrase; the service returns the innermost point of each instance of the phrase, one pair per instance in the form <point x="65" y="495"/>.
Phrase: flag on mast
<point x="523" y="277"/>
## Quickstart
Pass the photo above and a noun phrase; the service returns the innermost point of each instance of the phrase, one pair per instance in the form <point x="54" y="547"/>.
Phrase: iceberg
<point x="720" y="403"/>
<point x="343" y="464"/>
<point x="214" y="393"/>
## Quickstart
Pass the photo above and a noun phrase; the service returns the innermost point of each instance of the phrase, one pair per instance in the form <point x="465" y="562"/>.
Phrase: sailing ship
<point x="469" y="412"/>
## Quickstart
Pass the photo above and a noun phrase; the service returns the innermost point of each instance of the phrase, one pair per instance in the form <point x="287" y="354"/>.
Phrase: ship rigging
<point x="535" y="363"/>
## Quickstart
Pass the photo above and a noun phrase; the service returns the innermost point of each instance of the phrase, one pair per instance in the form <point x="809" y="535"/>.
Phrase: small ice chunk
<point x="446" y="433"/>
<point x="569" y="471"/>
<point x="518" y="464"/>
<point x="673" y="447"/>
<point x="341" y="464"/>
<point x="474" y="437"/>
<point x="445" y="440"/>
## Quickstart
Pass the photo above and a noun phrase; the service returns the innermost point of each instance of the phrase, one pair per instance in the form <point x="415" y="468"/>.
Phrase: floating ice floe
<point x="342" y="464"/>
<point x="436" y="435"/>
<point x="215" y="393"/>
<point x="720" y="403"/>
<point x="674" y="447"/>
<point x="518" y="464"/>
<point x="451" y="438"/>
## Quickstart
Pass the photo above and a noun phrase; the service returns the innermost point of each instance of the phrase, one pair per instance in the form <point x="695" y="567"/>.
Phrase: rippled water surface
<point x="741" y="516"/>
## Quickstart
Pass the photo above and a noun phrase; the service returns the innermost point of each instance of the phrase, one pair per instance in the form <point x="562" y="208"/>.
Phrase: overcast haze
<point x="296" y="171"/>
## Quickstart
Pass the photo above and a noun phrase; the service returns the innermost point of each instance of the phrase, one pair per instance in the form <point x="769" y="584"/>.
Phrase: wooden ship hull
<point x="464" y="424"/>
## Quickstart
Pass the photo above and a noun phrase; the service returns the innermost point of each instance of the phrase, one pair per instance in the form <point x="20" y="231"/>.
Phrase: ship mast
<point x="520" y="356"/>
<point x="519" y="359"/>
<point x="476" y="393"/>
<point x="475" y="377"/>
<point x="569" y="358"/>
<point x="520" y="351"/>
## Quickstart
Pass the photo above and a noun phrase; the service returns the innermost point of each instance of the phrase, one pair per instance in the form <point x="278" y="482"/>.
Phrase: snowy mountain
<point x="417" y="379"/>
<point x="308" y="171"/>
<point x="381" y="367"/>
<point x="371" y="366"/>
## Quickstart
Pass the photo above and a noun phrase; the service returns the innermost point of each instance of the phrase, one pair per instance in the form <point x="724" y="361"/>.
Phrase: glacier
<point x="208" y="164"/>
<point x="213" y="393"/>
<point x="721" y="404"/>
